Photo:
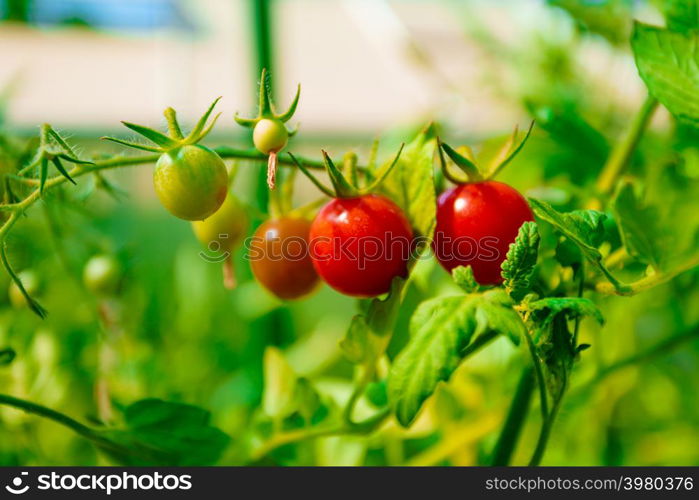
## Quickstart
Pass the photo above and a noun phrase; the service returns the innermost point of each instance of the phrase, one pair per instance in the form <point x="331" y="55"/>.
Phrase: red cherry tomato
<point x="358" y="245"/>
<point x="476" y="223"/>
<point x="280" y="260"/>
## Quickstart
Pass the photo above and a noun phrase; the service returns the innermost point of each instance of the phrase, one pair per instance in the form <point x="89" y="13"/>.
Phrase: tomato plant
<point x="570" y="251"/>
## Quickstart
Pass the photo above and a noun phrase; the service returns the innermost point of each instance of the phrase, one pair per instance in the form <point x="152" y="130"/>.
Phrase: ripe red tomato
<point x="476" y="223"/>
<point x="358" y="245"/>
<point x="280" y="260"/>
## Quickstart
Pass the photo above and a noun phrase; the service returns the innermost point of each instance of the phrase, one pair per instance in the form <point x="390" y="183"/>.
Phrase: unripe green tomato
<point x="102" y="274"/>
<point x="225" y="228"/>
<point x="31" y="284"/>
<point x="191" y="182"/>
<point x="269" y="136"/>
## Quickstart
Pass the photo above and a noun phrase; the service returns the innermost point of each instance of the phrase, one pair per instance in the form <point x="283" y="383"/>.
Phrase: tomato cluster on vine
<point x="358" y="243"/>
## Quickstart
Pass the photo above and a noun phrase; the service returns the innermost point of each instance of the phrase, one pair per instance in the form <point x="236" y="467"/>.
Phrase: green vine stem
<point x="539" y="372"/>
<point x="662" y="347"/>
<point x="516" y="417"/>
<point x="659" y="278"/>
<point x="546" y="429"/>
<point x="284" y="438"/>
<point x="53" y="415"/>
<point x="16" y="209"/>
<point x="623" y="151"/>
<point x="367" y="375"/>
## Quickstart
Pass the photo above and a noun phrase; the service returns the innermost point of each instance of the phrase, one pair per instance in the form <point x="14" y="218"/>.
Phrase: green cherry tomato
<point x="191" y="182"/>
<point x="31" y="284"/>
<point x="225" y="228"/>
<point x="269" y="136"/>
<point x="102" y="274"/>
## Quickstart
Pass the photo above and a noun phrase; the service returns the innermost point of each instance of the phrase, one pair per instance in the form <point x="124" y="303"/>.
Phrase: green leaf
<point x="568" y="253"/>
<point x="608" y="18"/>
<point x="286" y="394"/>
<point x="152" y="135"/>
<point x="584" y="148"/>
<point x="264" y="100"/>
<point x="34" y="305"/>
<point x="68" y="152"/>
<point x="638" y="226"/>
<point x="558" y="353"/>
<point x="543" y="311"/>
<point x="441" y="330"/>
<point x="382" y="173"/>
<point x="199" y="132"/>
<point x="463" y="276"/>
<point x="340" y="183"/>
<point x="510" y="150"/>
<point x="681" y="15"/>
<point x="131" y="144"/>
<point x="7" y="356"/>
<point x="667" y="62"/>
<point x="518" y="267"/>
<point x="286" y="116"/>
<point x="307" y="398"/>
<point x="280" y="384"/>
<point x="157" y="432"/>
<point x="43" y="174"/>
<point x="465" y="164"/>
<point x="377" y="393"/>
<point x="369" y="334"/>
<point x="411" y="182"/>
<point x="585" y="228"/>
<point x="59" y="166"/>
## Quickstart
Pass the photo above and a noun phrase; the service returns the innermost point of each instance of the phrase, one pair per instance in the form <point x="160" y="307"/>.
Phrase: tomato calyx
<point x="342" y="187"/>
<point x="53" y="149"/>
<point x="472" y="170"/>
<point x="176" y="139"/>
<point x="270" y="135"/>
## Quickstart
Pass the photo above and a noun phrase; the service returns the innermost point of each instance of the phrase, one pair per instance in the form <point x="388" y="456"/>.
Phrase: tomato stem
<point x="622" y="153"/>
<point x="271" y="169"/>
<point x="516" y="417"/>
<point x="48" y="413"/>
<point x="659" y="278"/>
<point x="172" y="124"/>
<point x="229" y="280"/>
<point x="539" y="373"/>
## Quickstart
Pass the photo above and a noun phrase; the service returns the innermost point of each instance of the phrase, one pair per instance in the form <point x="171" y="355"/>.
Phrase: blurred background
<point x="368" y="68"/>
